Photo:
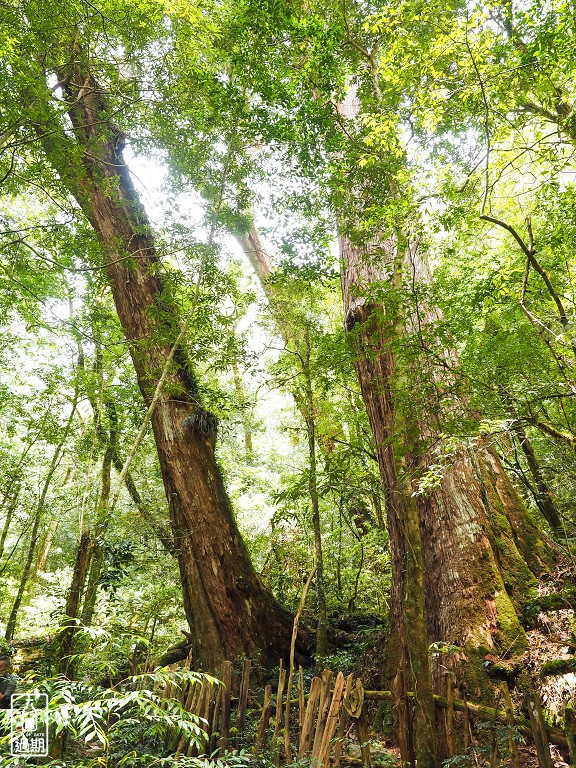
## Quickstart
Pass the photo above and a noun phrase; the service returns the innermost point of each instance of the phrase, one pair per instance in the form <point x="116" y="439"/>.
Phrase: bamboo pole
<point x="196" y="708"/>
<point x="399" y="697"/>
<point x="278" y="726"/>
<point x="364" y="738"/>
<point x="494" y="752"/>
<point x="306" y="734"/>
<point x="210" y="718"/>
<point x="467" y="727"/>
<point x="480" y="711"/>
<point x="323" y="707"/>
<point x="514" y="757"/>
<point x="539" y="730"/>
<point x="267" y="709"/>
<point x="343" y="721"/>
<point x="225" y="702"/>
<point x="203" y="711"/>
<point x="301" y="699"/>
<point x="243" y="696"/>
<point x="450" y="678"/>
<point x="331" y="721"/>
<point x="287" y="745"/>
<point x="215" y="719"/>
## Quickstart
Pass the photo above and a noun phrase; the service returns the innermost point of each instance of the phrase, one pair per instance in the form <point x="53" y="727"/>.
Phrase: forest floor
<point x="554" y="637"/>
<point x="386" y="756"/>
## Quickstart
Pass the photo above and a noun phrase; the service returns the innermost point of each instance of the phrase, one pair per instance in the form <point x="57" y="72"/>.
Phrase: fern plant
<point x="122" y="726"/>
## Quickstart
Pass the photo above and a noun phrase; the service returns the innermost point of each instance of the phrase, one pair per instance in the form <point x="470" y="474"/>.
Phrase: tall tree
<point x="227" y="607"/>
<point x="464" y="546"/>
<point x="471" y="512"/>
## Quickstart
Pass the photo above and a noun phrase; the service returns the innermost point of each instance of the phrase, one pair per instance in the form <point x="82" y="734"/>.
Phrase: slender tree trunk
<point x="34" y="535"/>
<point x="162" y="531"/>
<point x="42" y="557"/>
<point x="322" y="624"/>
<point x="96" y="563"/>
<point x="44" y="552"/>
<point x="544" y="497"/>
<point x="84" y="552"/>
<point x="11" y="625"/>
<point x="543" y="494"/>
<point x="96" y="559"/>
<point x="8" y="522"/>
<point x="251" y="244"/>
<point x="240" y="393"/>
<point x="47" y="545"/>
<point x="15" y="478"/>
<point x="89" y="554"/>
<point x="227" y="607"/>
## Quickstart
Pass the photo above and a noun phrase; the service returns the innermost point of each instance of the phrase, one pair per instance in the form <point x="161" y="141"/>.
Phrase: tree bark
<point x="544" y="497"/>
<point x="376" y="369"/>
<point x="322" y="624"/>
<point x="481" y="550"/>
<point x="227" y="607"/>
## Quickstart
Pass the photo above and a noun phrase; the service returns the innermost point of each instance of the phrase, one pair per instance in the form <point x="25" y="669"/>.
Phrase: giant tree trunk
<point x="481" y="550"/>
<point x="227" y="607"/>
<point x="376" y="369"/>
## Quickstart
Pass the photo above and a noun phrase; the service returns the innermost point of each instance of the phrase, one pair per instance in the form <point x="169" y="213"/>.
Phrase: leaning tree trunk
<point x="543" y="494"/>
<point x="35" y="533"/>
<point x="228" y="609"/>
<point x="481" y="550"/>
<point x="10" y="512"/>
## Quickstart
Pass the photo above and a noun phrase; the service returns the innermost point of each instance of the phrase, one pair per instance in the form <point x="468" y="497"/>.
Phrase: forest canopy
<point x="287" y="359"/>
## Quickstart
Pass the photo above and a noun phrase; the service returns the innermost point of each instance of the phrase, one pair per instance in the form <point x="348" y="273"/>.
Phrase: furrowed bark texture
<point x="376" y="369"/>
<point x="480" y="549"/>
<point x="226" y="605"/>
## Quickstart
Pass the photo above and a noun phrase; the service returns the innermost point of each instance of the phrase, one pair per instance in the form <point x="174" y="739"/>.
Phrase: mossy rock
<point x="558" y="667"/>
<point x="559" y="601"/>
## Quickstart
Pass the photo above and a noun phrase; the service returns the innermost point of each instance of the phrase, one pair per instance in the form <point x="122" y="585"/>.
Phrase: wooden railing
<point x="317" y="722"/>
